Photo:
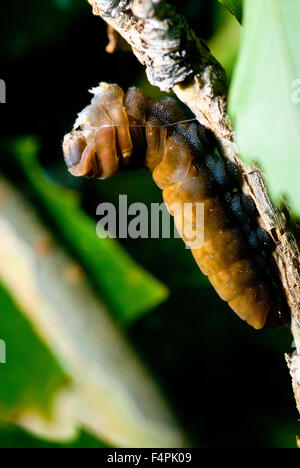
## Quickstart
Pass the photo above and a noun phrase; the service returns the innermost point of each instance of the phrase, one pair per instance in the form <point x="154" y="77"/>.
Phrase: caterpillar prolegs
<point x="132" y="130"/>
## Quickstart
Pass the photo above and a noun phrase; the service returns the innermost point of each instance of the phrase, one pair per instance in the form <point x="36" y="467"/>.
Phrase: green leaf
<point x="14" y="437"/>
<point x="235" y="7"/>
<point x="48" y="25"/>
<point x="265" y="97"/>
<point x="125" y="287"/>
<point x="31" y="375"/>
<point x="228" y="31"/>
<point x="56" y="322"/>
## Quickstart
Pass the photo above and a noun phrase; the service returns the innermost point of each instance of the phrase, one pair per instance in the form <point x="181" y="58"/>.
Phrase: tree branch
<point x="177" y="60"/>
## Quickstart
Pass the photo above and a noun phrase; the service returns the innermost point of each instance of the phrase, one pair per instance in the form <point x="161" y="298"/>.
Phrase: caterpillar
<point x="131" y="130"/>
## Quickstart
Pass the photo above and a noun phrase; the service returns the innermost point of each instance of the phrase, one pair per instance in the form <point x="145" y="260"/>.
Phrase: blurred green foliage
<point x="235" y="7"/>
<point x="228" y="31"/>
<point x="13" y="437"/>
<point x="32" y="374"/>
<point x="228" y="384"/>
<point x="264" y="100"/>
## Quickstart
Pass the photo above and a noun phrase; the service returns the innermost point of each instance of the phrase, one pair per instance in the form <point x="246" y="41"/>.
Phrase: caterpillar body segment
<point x="132" y="130"/>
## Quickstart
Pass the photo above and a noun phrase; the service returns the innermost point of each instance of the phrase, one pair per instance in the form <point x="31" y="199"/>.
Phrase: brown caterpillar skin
<point x="133" y="130"/>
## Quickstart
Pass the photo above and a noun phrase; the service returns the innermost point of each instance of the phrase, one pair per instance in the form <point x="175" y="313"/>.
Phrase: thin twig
<point x="176" y="59"/>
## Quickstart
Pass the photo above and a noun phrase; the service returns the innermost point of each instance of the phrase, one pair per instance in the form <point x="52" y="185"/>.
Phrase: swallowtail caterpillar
<point x="132" y="130"/>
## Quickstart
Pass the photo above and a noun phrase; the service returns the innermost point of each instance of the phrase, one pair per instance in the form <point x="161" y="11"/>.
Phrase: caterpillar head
<point x="100" y="137"/>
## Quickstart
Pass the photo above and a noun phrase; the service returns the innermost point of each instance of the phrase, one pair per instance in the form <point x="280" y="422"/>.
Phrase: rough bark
<point x="177" y="60"/>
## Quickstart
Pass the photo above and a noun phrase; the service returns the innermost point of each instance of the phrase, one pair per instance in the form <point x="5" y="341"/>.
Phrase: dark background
<point x="229" y="384"/>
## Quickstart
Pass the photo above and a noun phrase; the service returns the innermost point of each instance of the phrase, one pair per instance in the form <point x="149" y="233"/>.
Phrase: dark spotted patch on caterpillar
<point x="131" y="131"/>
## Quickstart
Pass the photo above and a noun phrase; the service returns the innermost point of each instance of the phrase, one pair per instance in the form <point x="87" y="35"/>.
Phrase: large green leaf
<point x="31" y="375"/>
<point x="235" y="7"/>
<point x="56" y="322"/>
<point x="265" y="97"/>
<point x="127" y="289"/>
<point x="14" y="437"/>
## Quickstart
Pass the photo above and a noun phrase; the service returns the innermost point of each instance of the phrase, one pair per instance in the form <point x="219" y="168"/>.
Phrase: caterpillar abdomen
<point x="133" y="130"/>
